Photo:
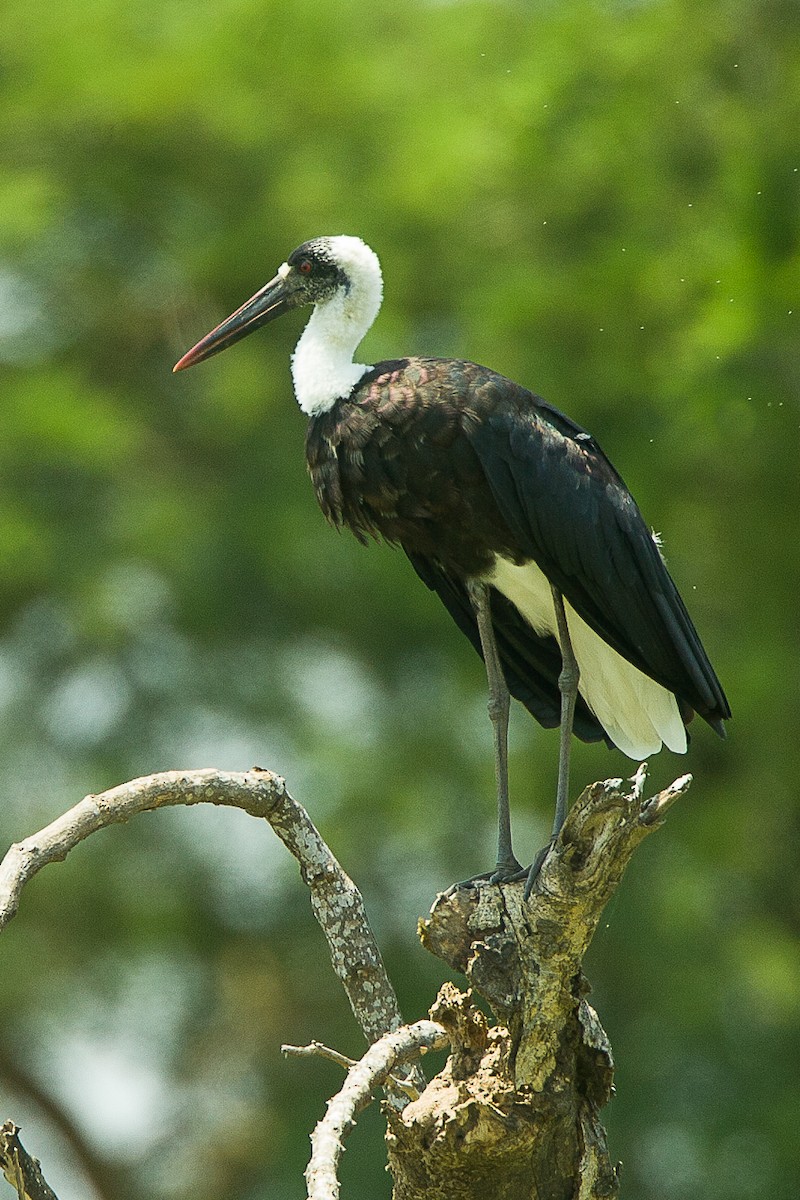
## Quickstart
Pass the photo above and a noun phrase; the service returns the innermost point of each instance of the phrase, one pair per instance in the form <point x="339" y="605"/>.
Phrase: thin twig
<point x="318" y="1050"/>
<point x="363" y="1079"/>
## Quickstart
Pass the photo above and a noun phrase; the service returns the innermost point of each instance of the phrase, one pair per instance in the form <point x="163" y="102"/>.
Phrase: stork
<point x="507" y="509"/>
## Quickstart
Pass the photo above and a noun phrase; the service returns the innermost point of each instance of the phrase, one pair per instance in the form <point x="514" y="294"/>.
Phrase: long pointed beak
<point x="267" y="304"/>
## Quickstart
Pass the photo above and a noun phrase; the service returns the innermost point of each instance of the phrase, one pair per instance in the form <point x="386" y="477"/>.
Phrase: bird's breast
<point x="394" y="461"/>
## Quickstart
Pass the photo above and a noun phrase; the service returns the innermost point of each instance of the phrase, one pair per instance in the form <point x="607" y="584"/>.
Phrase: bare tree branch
<point x="22" y="1172"/>
<point x="335" y="900"/>
<point x="363" y="1078"/>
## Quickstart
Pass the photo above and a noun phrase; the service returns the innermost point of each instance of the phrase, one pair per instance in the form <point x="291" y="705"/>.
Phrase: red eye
<point x="304" y="267"/>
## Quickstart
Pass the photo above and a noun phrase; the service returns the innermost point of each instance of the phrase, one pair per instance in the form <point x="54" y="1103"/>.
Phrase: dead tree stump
<point x="515" y="1113"/>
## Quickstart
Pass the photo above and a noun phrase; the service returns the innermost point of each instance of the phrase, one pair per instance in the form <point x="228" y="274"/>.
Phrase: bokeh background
<point x="601" y="201"/>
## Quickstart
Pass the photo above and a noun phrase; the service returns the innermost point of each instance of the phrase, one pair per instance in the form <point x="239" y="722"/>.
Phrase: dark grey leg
<point x="499" y="704"/>
<point x="568" y="687"/>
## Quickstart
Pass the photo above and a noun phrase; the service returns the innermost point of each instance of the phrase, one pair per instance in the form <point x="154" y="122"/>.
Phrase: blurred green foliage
<point x="600" y="200"/>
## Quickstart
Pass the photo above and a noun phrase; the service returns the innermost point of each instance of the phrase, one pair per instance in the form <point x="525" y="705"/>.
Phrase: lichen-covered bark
<point x="515" y="1112"/>
<point x="335" y="900"/>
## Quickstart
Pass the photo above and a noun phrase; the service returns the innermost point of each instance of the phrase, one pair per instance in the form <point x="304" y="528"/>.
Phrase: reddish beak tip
<point x="182" y="363"/>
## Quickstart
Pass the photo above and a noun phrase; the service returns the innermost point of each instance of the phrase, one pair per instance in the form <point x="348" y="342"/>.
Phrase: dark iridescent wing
<point x="571" y="512"/>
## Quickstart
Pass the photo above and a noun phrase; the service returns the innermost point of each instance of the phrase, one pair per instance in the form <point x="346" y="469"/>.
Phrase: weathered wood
<point x="515" y="1112"/>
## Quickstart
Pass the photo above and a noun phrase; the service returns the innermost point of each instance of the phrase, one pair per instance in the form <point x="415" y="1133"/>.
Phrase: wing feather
<point x="576" y="519"/>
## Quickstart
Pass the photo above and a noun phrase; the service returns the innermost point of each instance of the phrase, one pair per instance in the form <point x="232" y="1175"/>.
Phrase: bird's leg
<point x="568" y="680"/>
<point x="568" y="686"/>
<point x="499" y="705"/>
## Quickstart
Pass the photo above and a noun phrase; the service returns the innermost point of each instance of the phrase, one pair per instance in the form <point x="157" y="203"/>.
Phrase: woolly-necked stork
<point x="506" y="508"/>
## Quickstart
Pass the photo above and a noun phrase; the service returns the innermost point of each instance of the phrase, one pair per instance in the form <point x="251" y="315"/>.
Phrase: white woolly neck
<point x="323" y="370"/>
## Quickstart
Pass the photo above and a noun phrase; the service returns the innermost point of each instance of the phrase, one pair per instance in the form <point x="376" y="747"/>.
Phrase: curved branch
<point x="257" y="792"/>
<point x="335" y="900"/>
<point x="363" y="1078"/>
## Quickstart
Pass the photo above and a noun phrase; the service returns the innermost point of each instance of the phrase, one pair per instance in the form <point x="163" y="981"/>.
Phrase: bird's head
<point x="326" y="269"/>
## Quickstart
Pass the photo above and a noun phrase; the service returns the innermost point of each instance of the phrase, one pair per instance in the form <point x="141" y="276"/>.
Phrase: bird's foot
<point x="473" y="881"/>
<point x="533" y="870"/>
<point x="508" y="871"/>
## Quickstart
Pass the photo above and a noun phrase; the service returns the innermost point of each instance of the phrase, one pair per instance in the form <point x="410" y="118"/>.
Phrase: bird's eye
<point x="304" y="266"/>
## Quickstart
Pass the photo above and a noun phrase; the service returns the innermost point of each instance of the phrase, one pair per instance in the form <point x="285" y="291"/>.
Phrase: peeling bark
<point x="515" y="1111"/>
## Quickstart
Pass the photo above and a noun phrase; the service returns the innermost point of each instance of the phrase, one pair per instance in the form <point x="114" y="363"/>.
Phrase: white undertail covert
<point x="638" y="714"/>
